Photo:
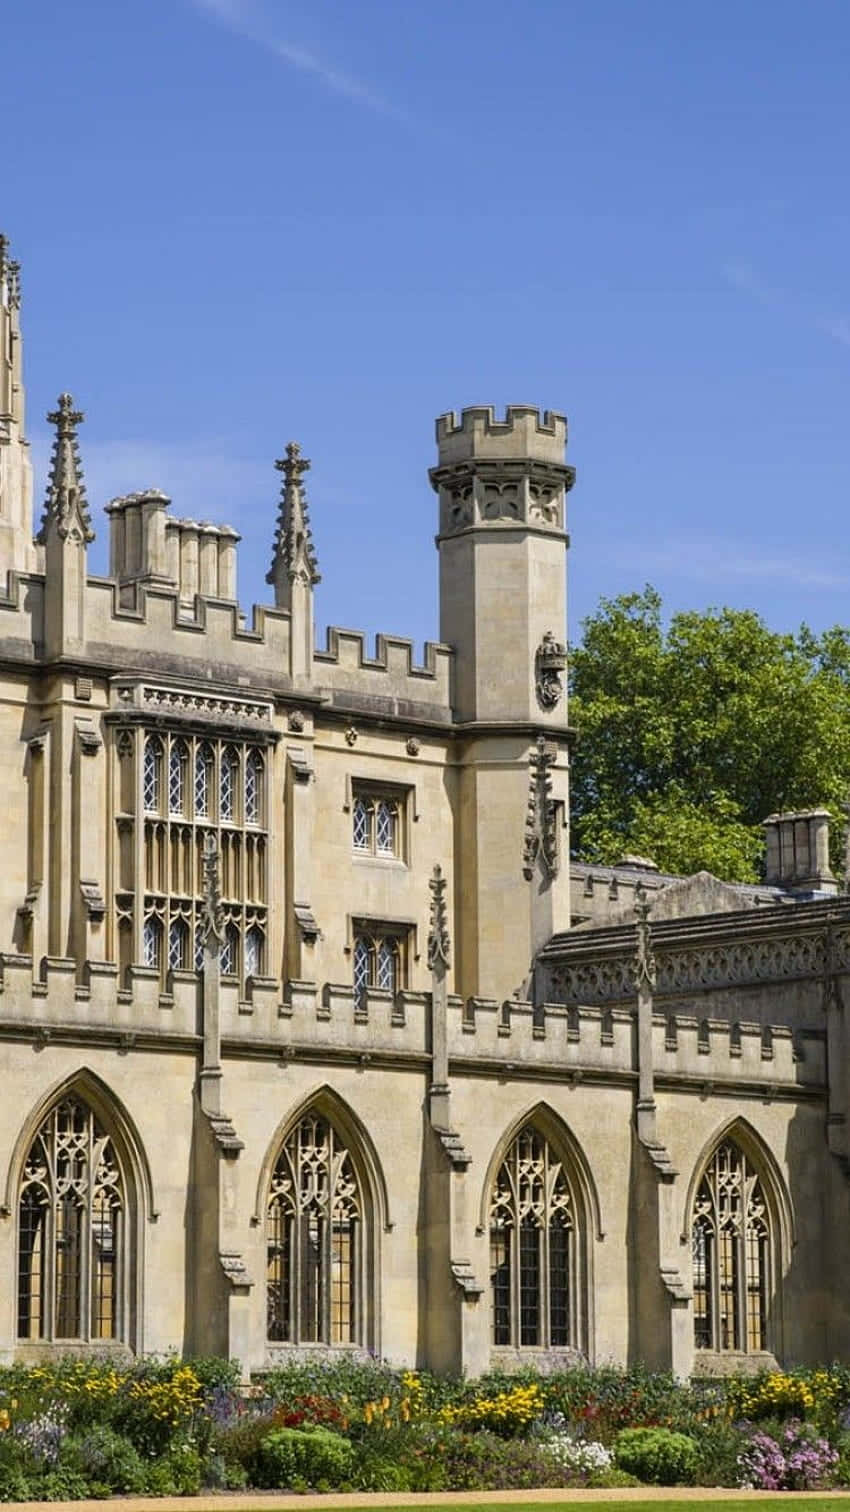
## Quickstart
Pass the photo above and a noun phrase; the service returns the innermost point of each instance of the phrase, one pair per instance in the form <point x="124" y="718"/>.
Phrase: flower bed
<point x="77" y="1429"/>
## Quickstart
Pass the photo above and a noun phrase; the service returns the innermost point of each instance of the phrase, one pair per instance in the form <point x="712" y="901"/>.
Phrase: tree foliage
<point x="689" y="736"/>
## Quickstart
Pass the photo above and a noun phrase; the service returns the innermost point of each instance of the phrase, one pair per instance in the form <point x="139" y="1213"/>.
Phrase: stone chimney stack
<point x="797" y="851"/>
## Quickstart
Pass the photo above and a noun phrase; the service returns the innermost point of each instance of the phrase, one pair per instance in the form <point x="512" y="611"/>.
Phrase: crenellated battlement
<point x="524" y="432"/>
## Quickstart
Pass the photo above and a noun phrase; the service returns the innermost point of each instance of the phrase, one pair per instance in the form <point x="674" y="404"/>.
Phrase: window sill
<point x="365" y="858"/>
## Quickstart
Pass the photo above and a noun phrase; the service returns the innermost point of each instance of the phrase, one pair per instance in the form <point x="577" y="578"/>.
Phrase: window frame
<point x="722" y="1271"/>
<point x="375" y="935"/>
<point x="370" y="796"/>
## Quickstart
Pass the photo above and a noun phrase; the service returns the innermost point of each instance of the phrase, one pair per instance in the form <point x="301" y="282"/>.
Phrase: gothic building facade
<point x="312" y="1035"/>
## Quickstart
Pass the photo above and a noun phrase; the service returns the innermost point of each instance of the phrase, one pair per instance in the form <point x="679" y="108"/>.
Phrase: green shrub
<point x="14" y="1486"/>
<point x="106" y="1459"/>
<point x="287" y="1455"/>
<point x="718" y="1446"/>
<point x="175" y="1473"/>
<point x="611" y="1479"/>
<point x="60" y="1485"/>
<point x="657" y="1455"/>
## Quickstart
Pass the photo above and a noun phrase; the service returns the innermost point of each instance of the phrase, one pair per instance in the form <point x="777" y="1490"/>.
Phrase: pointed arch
<point x="559" y="1133"/>
<point x="540" y="1207"/>
<point x="740" y="1131"/>
<point x="738" y="1224"/>
<point x="323" y="1099"/>
<point x="322" y="1199"/>
<point x="92" y="1089"/>
<point x="80" y="1185"/>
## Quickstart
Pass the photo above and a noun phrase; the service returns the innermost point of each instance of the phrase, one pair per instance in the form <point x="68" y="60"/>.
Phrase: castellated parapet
<point x="264" y="903"/>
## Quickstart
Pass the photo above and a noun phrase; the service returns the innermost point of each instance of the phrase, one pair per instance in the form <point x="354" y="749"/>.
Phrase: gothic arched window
<point x="533" y="1260"/>
<point x="72" y="1227"/>
<point x="254" y="771"/>
<point x="730" y="1246"/>
<point x="228" y="778"/>
<point x="203" y="779"/>
<point x="152" y="774"/>
<point x="254" y="943"/>
<point x="178" y="761"/>
<point x="314" y="1237"/>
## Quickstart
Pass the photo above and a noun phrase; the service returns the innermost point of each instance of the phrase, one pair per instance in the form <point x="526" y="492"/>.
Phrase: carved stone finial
<point x="66" y="507"/>
<point x="212" y="912"/>
<point x="644" y="972"/>
<point x="439" y="944"/>
<point x="541" y="838"/>
<point x="294" y="556"/>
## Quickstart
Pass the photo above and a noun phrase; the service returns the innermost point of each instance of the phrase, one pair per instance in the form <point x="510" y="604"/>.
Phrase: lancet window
<point x="184" y="787"/>
<point x="533" y="1251"/>
<point x="72" y="1231"/>
<point x="731" y="1254"/>
<point x="315" y="1240"/>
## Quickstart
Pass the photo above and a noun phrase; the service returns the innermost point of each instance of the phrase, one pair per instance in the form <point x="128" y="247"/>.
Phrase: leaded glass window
<point x="376" y="824"/>
<point x="377" y="962"/>
<point x="253" y="788"/>
<point x="178" y="945"/>
<point x="71" y="1222"/>
<point x="152" y="941"/>
<point x="177" y="762"/>
<point x="253" y="952"/>
<point x="203" y="780"/>
<point x="314" y="1236"/>
<point x="229" y="957"/>
<point x="227" y="784"/>
<point x="152" y="774"/>
<point x="533" y="1260"/>
<point x="730" y="1250"/>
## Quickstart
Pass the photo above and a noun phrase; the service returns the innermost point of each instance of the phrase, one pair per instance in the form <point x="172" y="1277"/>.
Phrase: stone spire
<point x="66" y="507"/>
<point x="16" y="544"/>
<point x="294" y="560"/>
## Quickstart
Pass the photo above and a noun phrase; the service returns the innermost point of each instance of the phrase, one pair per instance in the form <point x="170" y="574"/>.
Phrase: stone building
<point x="312" y="1035"/>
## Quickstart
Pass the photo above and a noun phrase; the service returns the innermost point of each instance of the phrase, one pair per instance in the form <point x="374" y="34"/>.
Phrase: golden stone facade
<point x="302" y="1048"/>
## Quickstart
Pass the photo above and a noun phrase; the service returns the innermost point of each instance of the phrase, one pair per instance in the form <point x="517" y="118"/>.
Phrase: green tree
<point x="689" y="736"/>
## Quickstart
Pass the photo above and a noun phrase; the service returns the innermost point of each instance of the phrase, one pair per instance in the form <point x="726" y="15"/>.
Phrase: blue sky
<point x="246" y="221"/>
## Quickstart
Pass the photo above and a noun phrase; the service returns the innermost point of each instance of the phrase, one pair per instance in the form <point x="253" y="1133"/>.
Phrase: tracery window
<point x="377" y="961"/>
<point x="314" y="1237"/>
<point x="533" y="1258"/>
<point x="184" y="787"/>
<point x="376" y="828"/>
<point x="72" y="1228"/>
<point x="731" y="1252"/>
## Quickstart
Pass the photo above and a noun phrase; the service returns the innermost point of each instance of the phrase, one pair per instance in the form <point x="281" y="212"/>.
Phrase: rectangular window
<point x="379" y="958"/>
<point x="378" y="817"/>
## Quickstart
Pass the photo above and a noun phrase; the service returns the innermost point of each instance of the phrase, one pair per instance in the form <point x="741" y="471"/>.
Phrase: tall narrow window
<point x="314" y="1236"/>
<point x="253" y="788"/>
<point x="253" y="952"/>
<point x="71" y="1223"/>
<point x="730" y="1249"/>
<point x="533" y="1263"/>
<point x="178" y="945"/>
<point x="152" y="941"/>
<point x="152" y="774"/>
<point x="178" y="760"/>
<point x="227" y="784"/>
<point x="203" y="779"/>
<point x="229" y="957"/>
